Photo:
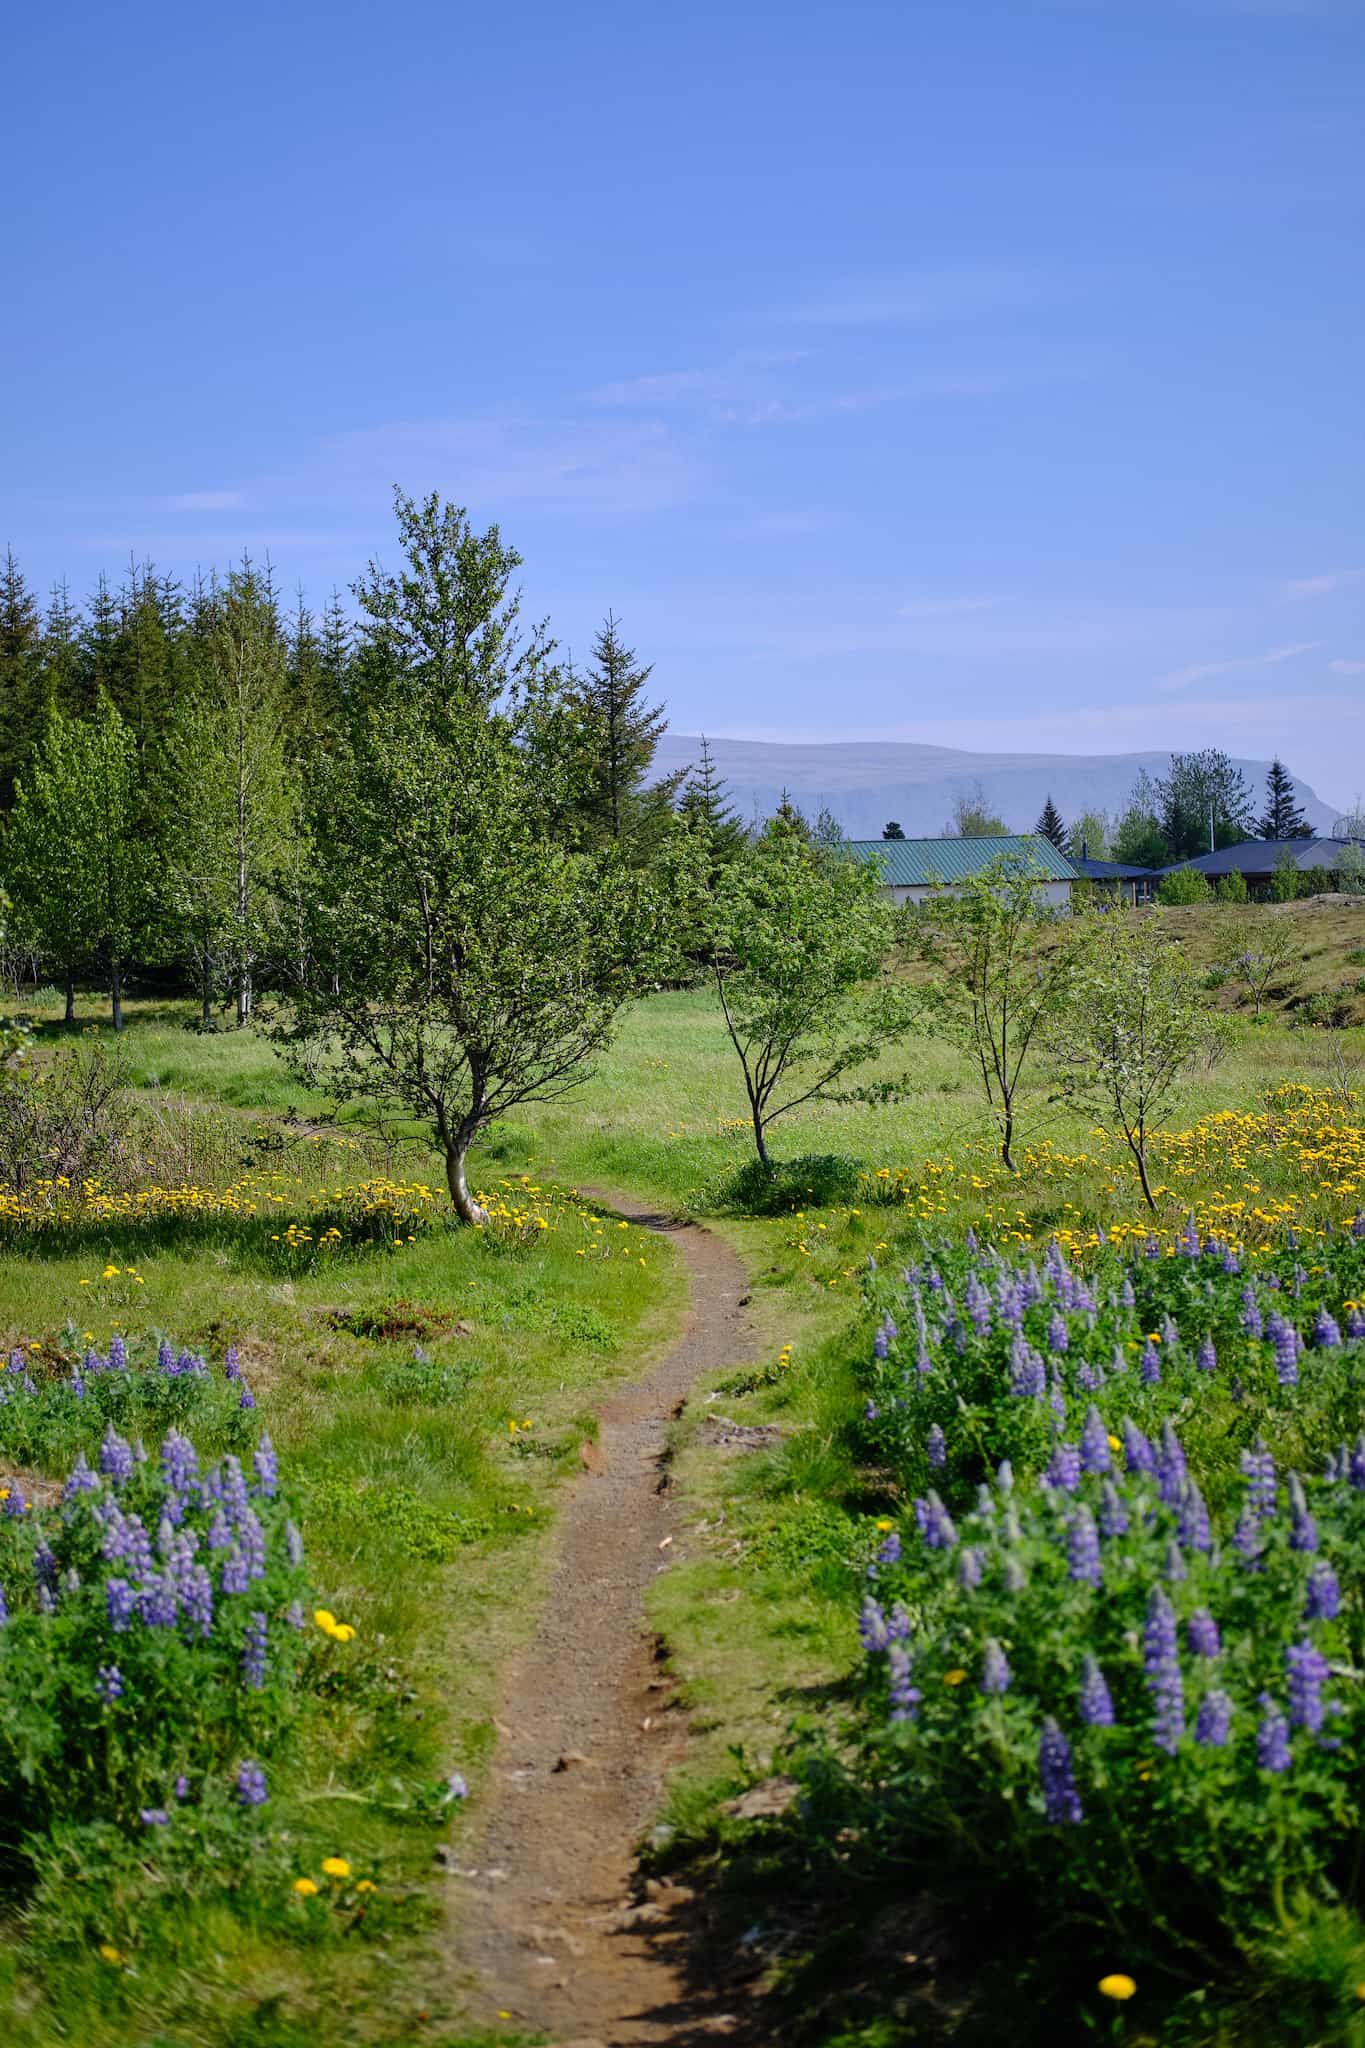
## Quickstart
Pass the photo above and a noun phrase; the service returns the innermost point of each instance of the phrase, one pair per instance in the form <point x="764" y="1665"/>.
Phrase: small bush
<point x="67" y="1120"/>
<point x="1232" y="888"/>
<point x="1183" y="886"/>
<point x="816" y="1181"/>
<point x="57" y="1401"/>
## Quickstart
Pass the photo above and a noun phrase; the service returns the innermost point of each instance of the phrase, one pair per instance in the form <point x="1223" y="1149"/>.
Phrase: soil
<point x="554" y="1926"/>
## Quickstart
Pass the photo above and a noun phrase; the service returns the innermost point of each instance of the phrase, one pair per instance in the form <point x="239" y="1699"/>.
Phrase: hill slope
<point x="866" y="782"/>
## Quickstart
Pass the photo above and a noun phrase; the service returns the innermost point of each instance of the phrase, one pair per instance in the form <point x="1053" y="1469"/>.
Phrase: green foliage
<point x="1051" y="826"/>
<point x="799" y="935"/>
<point x="69" y="1118"/>
<point x="1089" y="834"/>
<point x="1286" y="882"/>
<point x="706" y="807"/>
<point x="1263" y="954"/>
<point x="1203" y="796"/>
<point x="618" y="736"/>
<point x="1183" y="886"/>
<point x="1282" y="818"/>
<point x="58" y="1406"/>
<point x="1232" y="888"/>
<point x="972" y="819"/>
<point x="816" y="1180"/>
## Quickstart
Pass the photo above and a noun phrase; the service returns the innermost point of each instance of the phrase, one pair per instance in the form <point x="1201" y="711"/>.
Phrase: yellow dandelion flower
<point x="954" y="1677"/>
<point x="335" y="1866"/>
<point x="305" y="1887"/>
<point x="325" y="1619"/>
<point x="1117" y="1986"/>
<point x="112" y="1954"/>
<point x="365" y="1885"/>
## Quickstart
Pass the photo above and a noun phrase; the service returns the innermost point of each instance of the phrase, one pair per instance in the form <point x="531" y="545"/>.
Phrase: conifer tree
<point x="620" y="733"/>
<point x="1050" y="826"/>
<point x="21" y="636"/>
<point x="893" y="830"/>
<point x="705" y="804"/>
<point x="1283" y="819"/>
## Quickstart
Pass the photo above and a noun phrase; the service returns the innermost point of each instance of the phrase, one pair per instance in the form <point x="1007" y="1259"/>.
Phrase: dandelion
<point x="1116" y="1985"/>
<point x="335" y="1866"/>
<point x="305" y="1887"/>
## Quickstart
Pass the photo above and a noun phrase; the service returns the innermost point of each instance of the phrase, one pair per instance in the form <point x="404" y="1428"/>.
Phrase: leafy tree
<point x="1351" y="871"/>
<point x="1282" y="819"/>
<point x="21" y="636"/>
<point x="1285" y="881"/>
<point x="1088" y="837"/>
<point x="1050" y="825"/>
<point x="1185" y="886"/>
<point x="828" y="831"/>
<point x="1232" y="888"/>
<point x="457" y="960"/>
<point x="800" y="936"/>
<point x="1202" y="799"/>
<point x="620" y="735"/>
<point x="1139" y="840"/>
<point x="1002" y="961"/>
<point x="1263" y="954"/>
<point x="1135" y="1024"/>
<point x="972" y="820"/>
<point x="1351" y="824"/>
<point x="228" y="745"/>
<point x="892" y="830"/>
<point x="90" y="893"/>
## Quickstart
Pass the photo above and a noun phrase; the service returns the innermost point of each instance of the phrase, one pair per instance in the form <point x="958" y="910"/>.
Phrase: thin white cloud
<point x="207" y="501"/>
<point x="948" y="607"/>
<point x="1347" y="668"/>
<point x="1200" y="671"/>
<point x="711" y="386"/>
<point x="1323" y="586"/>
<point x="915" y="299"/>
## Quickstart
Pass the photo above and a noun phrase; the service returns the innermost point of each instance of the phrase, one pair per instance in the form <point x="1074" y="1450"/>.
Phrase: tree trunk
<point x="116" y="990"/>
<point x="466" y="1208"/>
<point x="760" y="1140"/>
<point x="1007" y="1139"/>
<point x="1140" y="1154"/>
<point x="70" y="1016"/>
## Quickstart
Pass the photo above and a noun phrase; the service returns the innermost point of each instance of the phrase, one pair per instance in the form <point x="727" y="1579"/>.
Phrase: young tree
<point x="1351" y="871"/>
<point x="1002" y="962"/>
<point x="1139" y="840"/>
<point x="706" y="807"/>
<point x="828" y="831"/>
<point x="800" y="936"/>
<point x="1135" y="1024"/>
<point x="1183" y="886"/>
<point x="1263" y="954"/>
<point x="1286" y="881"/>
<point x="1203" y="803"/>
<point x="1050" y="825"/>
<point x="91" y="894"/>
<point x="1351" y="824"/>
<point x="892" y="830"/>
<point x="972" y="819"/>
<point x="1282" y="819"/>
<point x="1088" y="837"/>
<point x="620" y="735"/>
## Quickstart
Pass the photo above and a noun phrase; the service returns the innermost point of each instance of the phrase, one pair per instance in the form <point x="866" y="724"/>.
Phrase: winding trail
<point x="547" y="1924"/>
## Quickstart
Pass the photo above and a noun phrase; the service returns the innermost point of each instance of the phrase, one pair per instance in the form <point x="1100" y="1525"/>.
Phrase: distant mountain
<point x="867" y="782"/>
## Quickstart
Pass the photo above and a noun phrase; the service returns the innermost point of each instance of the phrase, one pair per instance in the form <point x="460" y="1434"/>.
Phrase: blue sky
<point x="980" y="373"/>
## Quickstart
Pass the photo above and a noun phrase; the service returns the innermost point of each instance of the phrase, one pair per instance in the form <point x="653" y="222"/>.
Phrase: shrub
<point x="154" y="1639"/>
<point x="817" y="1180"/>
<point x="67" y="1120"/>
<point x="1183" y="886"/>
<point x="1232" y="888"/>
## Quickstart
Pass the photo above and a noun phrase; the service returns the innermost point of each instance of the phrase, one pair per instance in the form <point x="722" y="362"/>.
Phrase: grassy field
<point x="427" y="1516"/>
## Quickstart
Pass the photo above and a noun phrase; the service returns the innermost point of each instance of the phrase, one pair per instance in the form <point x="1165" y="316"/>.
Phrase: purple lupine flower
<point x="978" y="1303"/>
<point x="905" y="1694"/>
<point x="1194" y="1519"/>
<point x="1326" y="1334"/>
<point x="248" y="1399"/>
<point x="1086" y="1377"/>
<point x="165" y="1357"/>
<point x="181" y="1788"/>
<point x="155" y="1817"/>
<point x="118" y="1354"/>
<point x="1004" y="1476"/>
<point x="293" y="1544"/>
<point x="1201" y="1631"/>
<point x="1028" y="1376"/>
<point x="870" y="1412"/>
<point x="1272" y="1737"/>
<point x="873" y="1633"/>
<point x="1355" y="1322"/>
<point x="1303" y="1530"/>
<point x="1308" y="1673"/>
<point x="1176" y="1567"/>
<point x="1214" y="1720"/>
<point x="1064" y="1468"/>
<point x="1170" y="1465"/>
<point x="1058" y="1336"/>
<point x="1097" y="1708"/>
<point x="1251" y="1314"/>
<point x="969" y="1568"/>
<point x="294" y="1614"/>
<point x="881" y="1345"/>
<point x="235" y="1576"/>
<point x="15" y="1505"/>
<point x="1248" y="1540"/>
<point x="253" y="1652"/>
<point x="179" y="1462"/>
<point x="1095" y="1455"/>
<point x="1149" y="1365"/>
<point x="251" y="1536"/>
<point x="939" y="1530"/>
<point x="219" y="1533"/>
<point x="1206" y="1358"/>
<point x="1286" y="1341"/>
<point x="1137" y="1450"/>
<point x="45" y="1564"/>
<point x="1126" y="1294"/>
<point x="231" y="1363"/>
<point x="116" y="1457"/>
<point x="1323" y="1602"/>
<point x="1113" y="1514"/>
<point x="1061" y="1801"/>
<point x="1117" y="1360"/>
<point x="995" y="1670"/>
<point x="1083" y="1549"/>
<point x="1355" y="1465"/>
<point x="119" y="1602"/>
<point x="80" y="1480"/>
<point x="1259" y="1467"/>
<point x="251" y="1788"/>
<point x="936" y="1449"/>
<point x="157" y="1605"/>
<point x="194" y="1593"/>
<point x="898" y="1623"/>
<point x="4" y="1607"/>
<point x="890" y="1551"/>
<point x="1161" y="1661"/>
<point x="109" y="1684"/>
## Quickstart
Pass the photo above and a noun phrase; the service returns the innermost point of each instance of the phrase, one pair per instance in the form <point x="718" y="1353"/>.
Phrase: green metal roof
<point x="917" y="863"/>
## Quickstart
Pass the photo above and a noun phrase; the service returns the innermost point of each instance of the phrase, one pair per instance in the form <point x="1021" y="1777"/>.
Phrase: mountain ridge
<point x="866" y="783"/>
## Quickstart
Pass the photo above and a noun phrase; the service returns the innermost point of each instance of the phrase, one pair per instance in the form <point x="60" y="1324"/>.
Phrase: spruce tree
<point x="1050" y="825"/>
<point x="21" y="635"/>
<point x="620" y="733"/>
<point x="1283" y="819"/>
<point x="706" y="807"/>
<point x="892" y="830"/>
<point x="62" y="658"/>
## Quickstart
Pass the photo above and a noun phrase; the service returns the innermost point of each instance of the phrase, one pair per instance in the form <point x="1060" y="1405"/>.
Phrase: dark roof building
<point x="1116" y="877"/>
<point x="1257" y="859"/>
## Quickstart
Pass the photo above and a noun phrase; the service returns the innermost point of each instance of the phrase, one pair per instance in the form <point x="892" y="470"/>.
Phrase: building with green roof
<point x="912" y="869"/>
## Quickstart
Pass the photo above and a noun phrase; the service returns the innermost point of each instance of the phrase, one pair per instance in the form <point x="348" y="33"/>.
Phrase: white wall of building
<point x="1057" y="895"/>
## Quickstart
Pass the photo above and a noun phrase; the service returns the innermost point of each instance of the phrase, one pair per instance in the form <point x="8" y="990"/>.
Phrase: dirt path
<point x="547" y="1924"/>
